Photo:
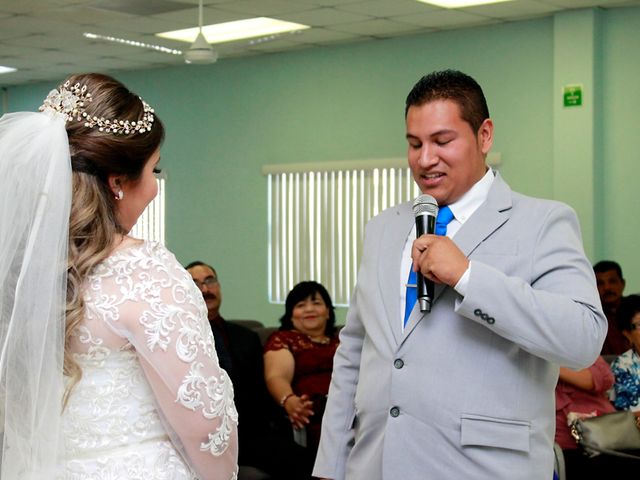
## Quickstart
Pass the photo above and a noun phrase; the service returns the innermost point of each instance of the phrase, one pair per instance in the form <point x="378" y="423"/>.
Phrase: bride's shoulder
<point x="141" y="257"/>
<point x="140" y="251"/>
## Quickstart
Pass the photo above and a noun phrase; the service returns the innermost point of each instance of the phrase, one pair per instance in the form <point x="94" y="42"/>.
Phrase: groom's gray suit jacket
<point x="466" y="391"/>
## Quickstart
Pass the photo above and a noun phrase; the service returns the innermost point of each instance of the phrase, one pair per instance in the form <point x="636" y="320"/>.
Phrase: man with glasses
<point x="262" y="444"/>
<point x="206" y="280"/>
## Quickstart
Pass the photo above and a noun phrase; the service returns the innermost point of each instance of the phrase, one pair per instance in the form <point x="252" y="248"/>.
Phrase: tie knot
<point x="445" y="215"/>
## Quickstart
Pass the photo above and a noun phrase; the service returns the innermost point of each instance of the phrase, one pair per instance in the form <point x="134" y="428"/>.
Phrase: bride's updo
<point x="113" y="132"/>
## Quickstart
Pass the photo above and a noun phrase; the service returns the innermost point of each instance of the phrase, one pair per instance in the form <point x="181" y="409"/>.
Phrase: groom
<point x="467" y="390"/>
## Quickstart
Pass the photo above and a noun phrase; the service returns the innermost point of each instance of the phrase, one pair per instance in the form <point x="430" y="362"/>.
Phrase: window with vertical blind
<point x="317" y="215"/>
<point x="150" y="225"/>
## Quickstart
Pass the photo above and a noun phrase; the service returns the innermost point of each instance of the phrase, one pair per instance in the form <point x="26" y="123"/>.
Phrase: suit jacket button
<point x="491" y="320"/>
<point x="394" y="412"/>
<point x="398" y="363"/>
<point x="484" y="316"/>
<point x="477" y="312"/>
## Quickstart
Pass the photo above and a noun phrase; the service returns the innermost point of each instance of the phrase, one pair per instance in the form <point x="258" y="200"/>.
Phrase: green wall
<point x="226" y="120"/>
<point x="620" y="169"/>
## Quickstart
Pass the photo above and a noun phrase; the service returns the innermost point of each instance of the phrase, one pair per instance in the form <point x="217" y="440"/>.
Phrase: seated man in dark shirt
<point x="610" y="287"/>
<point x="264" y="443"/>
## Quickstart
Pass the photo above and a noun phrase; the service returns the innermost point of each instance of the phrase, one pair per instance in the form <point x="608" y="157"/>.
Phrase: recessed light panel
<point x="460" y="3"/>
<point x="230" y="31"/>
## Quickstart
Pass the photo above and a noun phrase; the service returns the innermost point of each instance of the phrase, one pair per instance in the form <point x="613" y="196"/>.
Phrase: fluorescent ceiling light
<point x="132" y="43"/>
<point x="6" y="69"/>
<point x="230" y="31"/>
<point x="461" y="3"/>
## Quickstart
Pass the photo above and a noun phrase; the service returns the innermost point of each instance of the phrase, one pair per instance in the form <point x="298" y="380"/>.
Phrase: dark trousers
<point x="579" y="466"/>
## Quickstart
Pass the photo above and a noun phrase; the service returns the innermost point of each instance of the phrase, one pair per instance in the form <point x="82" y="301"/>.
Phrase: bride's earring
<point x="119" y="195"/>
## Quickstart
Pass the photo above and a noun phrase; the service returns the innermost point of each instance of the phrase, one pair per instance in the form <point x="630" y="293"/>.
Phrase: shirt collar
<point x="469" y="202"/>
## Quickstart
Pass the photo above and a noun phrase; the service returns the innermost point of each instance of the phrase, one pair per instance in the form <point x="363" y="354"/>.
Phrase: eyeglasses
<point x="207" y="282"/>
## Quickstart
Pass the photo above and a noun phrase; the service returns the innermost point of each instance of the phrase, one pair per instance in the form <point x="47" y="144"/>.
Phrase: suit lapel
<point x="495" y="210"/>
<point x="393" y="239"/>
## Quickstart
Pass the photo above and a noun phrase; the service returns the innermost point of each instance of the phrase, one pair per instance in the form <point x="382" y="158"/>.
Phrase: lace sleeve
<point x="165" y="320"/>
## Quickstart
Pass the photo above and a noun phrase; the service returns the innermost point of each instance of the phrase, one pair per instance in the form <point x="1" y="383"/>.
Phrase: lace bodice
<point x="152" y="398"/>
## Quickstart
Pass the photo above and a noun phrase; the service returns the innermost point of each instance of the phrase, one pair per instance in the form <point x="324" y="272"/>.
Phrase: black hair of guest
<point x="629" y="307"/>
<point x="302" y="291"/>
<point x="607" y="265"/>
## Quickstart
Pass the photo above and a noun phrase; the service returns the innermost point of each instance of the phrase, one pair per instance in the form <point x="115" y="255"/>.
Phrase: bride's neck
<point x="121" y="241"/>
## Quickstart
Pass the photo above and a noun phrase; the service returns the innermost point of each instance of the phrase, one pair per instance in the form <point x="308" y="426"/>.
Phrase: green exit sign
<point x="572" y="95"/>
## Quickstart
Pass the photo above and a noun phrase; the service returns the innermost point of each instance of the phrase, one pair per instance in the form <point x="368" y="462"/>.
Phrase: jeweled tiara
<point x="70" y="100"/>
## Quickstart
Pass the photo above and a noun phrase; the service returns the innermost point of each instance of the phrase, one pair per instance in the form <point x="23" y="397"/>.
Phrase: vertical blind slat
<point x="150" y="225"/>
<point x="316" y="224"/>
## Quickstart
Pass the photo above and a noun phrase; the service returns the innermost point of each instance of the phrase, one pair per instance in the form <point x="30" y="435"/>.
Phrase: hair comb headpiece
<point x="70" y="100"/>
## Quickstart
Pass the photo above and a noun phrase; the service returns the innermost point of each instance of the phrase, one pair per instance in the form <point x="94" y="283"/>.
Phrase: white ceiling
<point x="43" y="38"/>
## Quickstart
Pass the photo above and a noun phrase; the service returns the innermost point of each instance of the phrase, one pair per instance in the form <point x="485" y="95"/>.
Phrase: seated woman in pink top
<point x="584" y="392"/>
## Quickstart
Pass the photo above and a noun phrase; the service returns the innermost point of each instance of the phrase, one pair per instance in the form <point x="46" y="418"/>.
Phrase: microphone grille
<point x="425" y="204"/>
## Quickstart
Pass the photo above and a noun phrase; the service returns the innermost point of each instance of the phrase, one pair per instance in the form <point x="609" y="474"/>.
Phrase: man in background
<point x="467" y="390"/>
<point x="610" y="288"/>
<point x="265" y="439"/>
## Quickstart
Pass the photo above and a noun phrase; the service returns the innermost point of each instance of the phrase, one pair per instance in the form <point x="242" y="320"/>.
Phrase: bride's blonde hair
<point x="95" y="155"/>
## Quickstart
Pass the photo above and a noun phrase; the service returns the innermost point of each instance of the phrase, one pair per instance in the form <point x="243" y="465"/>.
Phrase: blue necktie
<point x="445" y="215"/>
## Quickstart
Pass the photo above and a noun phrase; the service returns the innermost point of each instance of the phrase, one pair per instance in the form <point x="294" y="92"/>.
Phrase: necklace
<point x="322" y="339"/>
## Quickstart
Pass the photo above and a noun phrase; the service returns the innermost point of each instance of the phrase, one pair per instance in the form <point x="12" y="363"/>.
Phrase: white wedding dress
<point x="153" y="402"/>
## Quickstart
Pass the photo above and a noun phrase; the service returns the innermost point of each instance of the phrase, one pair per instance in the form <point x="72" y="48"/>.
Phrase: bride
<point x="108" y="368"/>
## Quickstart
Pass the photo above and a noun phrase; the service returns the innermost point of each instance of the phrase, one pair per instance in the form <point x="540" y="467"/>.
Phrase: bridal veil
<point x="35" y="199"/>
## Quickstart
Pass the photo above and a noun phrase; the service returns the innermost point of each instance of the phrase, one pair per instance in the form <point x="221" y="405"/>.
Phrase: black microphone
<point x="425" y="209"/>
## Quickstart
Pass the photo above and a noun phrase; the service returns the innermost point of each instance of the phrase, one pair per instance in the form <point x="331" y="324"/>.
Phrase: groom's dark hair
<point x="455" y="86"/>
